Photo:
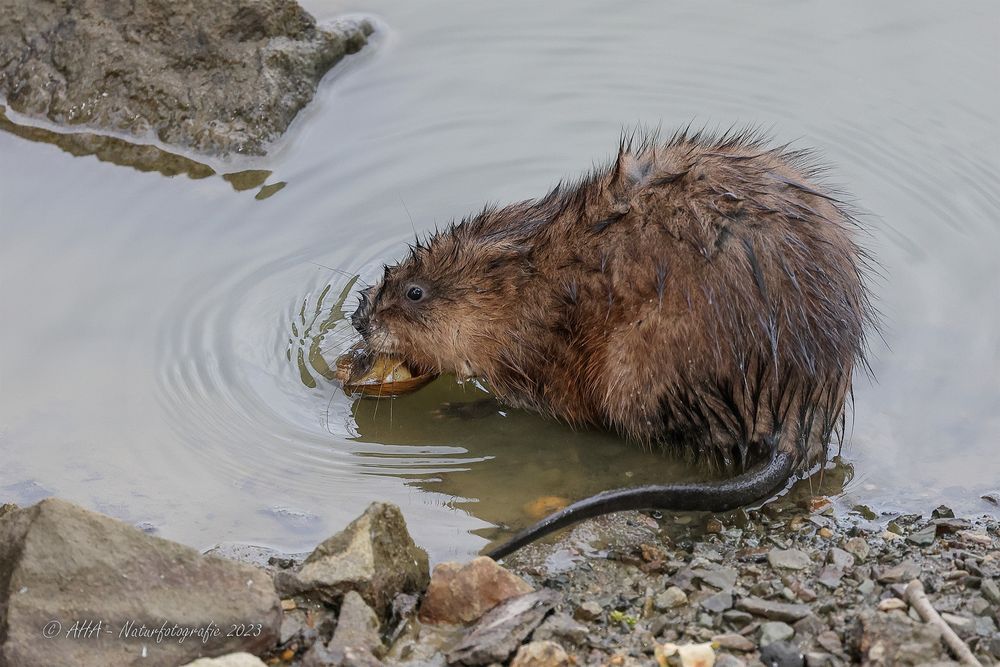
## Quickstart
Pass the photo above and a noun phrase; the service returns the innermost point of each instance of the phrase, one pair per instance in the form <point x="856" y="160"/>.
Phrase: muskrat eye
<point x="414" y="293"/>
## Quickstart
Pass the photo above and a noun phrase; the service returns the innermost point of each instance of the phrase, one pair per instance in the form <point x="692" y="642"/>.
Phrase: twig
<point x="919" y="601"/>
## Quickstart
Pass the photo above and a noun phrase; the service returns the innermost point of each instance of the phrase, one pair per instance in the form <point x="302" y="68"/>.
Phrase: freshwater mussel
<point x="364" y="372"/>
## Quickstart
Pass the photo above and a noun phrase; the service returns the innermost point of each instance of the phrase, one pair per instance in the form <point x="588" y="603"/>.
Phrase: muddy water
<point x="165" y="339"/>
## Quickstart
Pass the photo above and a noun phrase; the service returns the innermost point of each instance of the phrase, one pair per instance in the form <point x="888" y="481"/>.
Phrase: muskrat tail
<point x="720" y="496"/>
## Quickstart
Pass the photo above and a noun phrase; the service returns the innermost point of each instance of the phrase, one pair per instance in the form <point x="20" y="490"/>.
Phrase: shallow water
<point x="163" y="337"/>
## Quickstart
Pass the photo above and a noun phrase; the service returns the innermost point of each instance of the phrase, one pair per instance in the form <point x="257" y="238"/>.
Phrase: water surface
<point x="164" y="337"/>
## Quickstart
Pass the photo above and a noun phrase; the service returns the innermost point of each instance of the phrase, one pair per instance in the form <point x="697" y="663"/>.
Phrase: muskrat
<point x="706" y="294"/>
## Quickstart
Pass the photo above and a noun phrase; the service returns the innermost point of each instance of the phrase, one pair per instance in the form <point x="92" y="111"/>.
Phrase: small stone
<point x="990" y="590"/>
<point x="734" y="642"/>
<point x="789" y="559"/>
<point x="736" y="617"/>
<point x="775" y="631"/>
<point x="722" y="578"/>
<point x="858" y="548"/>
<point x="775" y="611"/>
<point x="540" y="654"/>
<point x="994" y="645"/>
<point x="810" y="626"/>
<point x="713" y="526"/>
<point x="357" y="626"/>
<point x="499" y="633"/>
<point x="943" y="512"/>
<point x="840" y="558"/>
<point x="830" y="640"/>
<point x="669" y="599"/>
<point x="561" y="626"/>
<point x="718" y="602"/>
<point x="903" y="572"/>
<point x="993" y="499"/>
<point x="960" y="624"/>
<point x="825" y="533"/>
<point x="889" y="604"/>
<point x="462" y="593"/>
<point x="866" y="587"/>
<point x="231" y="660"/>
<point x="945" y="526"/>
<point x="726" y="660"/>
<point x="781" y="654"/>
<point x="818" y="659"/>
<point x="985" y="626"/>
<point x="830" y="576"/>
<point x="923" y="537"/>
<point x="975" y="537"/>
<point x="288" y="605"/>
<point x="590" y="610"/>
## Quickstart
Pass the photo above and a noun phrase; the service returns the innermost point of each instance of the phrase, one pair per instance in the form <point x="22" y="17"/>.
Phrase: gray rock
<point x="830" y="641"/>
<point x="781" y="654"/>
<point x="858" y="547"/>
<point x="726" y="660"/>
<point x="866" y="587"/>
<point x="894" y="639"/>
<point x="374" y="556"/>
<point x="734" y="642"/>
<point x="7" y="507"/>
<point x="990" y="591"/>
<point x="540" y="654"/>
<point x="775" y="611"/>
<point x="943" y="512"/>
<point x="220" y="77"/>
<point x="561" y="626"/>
<point x="61" y="564"/>
<point x="905" y="571"/>
<point x="588" y="611"/>
<point x="831" y="575"/>
<point x="994" y="646"/>
<point x="669" y="599"/>
<point x="722" y="578"/>
<point x="231" y="660"/>
<point x="718" y="602"/>
<point x="923" y="537"/>
<point x="357" y="626"/>
<point x="498" y="634"/>
<point x="775" y="631"/>
<point x="960" y="624"/>
<point x="789" y="559"/>
<point x="840" y="558"/>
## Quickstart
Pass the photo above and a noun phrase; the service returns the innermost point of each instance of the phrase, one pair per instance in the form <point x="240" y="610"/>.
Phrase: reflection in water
<point x="141" y="157"/>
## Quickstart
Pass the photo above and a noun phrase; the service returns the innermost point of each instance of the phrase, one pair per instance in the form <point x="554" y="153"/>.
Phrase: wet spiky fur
<point x="704" y="293"/>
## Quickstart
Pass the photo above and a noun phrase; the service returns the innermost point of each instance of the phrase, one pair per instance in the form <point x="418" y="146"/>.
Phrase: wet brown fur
<point x="703" y="293"/>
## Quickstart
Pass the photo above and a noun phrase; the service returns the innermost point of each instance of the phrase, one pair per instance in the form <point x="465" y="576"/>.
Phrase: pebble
<point x="959" y="624"/>
<point x="858" y="547"/>
<point x="561" y="626"/>
<point x="891" y="603"/>
<point x="943" y="512"/>
<point x="588" y="611"/>
<point x="734" y="642"/>
<point x="540" y="654"/>
<point x="775" y="631"/>
<point x="830" y="640"/>
<point x="923" y="537"/>
<point x="726" y="660"/>
<point x="866" y="587"/>
<point x="991" y="590"/>
<point x="781" y="654"/>
<point x="994" y="645"/>
<point x="789" y="559"/>
<point x="671" y="598"/>
<point x="718" y="602"/>
<point x="903" y="572"/>
<point x="775" y="611"/>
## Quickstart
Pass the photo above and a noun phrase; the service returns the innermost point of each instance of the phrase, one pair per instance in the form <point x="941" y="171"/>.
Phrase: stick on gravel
<point x="915" y="594"/>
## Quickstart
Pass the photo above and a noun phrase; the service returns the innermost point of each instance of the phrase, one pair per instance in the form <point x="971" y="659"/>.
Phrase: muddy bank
<point x="788" y="585"/>
<point x="217" y="78"/>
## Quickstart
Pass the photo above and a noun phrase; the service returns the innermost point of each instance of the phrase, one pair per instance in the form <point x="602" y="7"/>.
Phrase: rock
<point x="669" y="599"/>
<point x="960" y="624"/>
<point x="858" y="548"/>
<point x="718" y="603"/>
<point x="734" y="642"/>
<point x="726" y="660"/>
<point x="789" y="559"/>
<point x="463" y="593"/>
<point x="905" y="571"/>
<point x="866" y="587"/>
<point x="321" y="655"/>
<point x="775" y="631"/>
<point x="7" y="507"/>
<point x="923" y="537"/>
<point x="57" y="556"/>
<point x="775" y="611"/>
<point x="221" y="77"/>
<point x="990" y="590"/>
<point x="357" y="626"/>
<point x="231" y="660"/>
<point x="540" y="654"/>
<point x="722" y="578"/>
<point x="498" y="634"/>
<point x="994" y="645"/>
<point x="942" y="512"/>
<point x="830" y="641"/>
<point x="830" y="576"/>
<point x="840" y="558"/>
<point x="781" y="654"/>
<point x="588" y="611"/>
<point x="894" y="639"/>
<point x="561" y="626"/>
<point x="374" y="556"/>
<point x="945" y="526"/>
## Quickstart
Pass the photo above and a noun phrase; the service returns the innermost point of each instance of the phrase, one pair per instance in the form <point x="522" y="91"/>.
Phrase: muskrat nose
<point x="360" y="318"/>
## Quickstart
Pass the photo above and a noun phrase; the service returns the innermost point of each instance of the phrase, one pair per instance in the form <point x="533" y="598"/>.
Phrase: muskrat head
<point x="449" y="306"/>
